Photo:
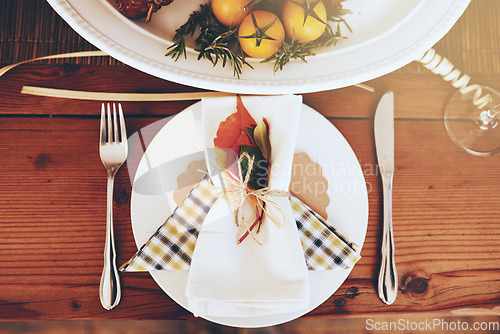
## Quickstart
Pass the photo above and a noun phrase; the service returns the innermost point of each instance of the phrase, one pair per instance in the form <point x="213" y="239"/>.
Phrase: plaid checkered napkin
<point x="324" y="247"/>
<point x="172" y="245"/>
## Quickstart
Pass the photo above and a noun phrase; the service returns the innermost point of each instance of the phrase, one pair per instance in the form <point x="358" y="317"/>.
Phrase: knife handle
<point x="388" y="276"/>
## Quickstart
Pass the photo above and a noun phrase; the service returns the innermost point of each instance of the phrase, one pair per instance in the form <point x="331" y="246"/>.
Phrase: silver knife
<point x="384" y="143"/>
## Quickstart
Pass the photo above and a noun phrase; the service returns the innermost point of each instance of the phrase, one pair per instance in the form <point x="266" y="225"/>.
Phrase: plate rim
<point x="268" y="86"/>
<point x="253" y="322"/>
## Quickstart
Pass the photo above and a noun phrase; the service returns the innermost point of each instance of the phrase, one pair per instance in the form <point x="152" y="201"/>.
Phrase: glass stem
<point x="488" y="118"/>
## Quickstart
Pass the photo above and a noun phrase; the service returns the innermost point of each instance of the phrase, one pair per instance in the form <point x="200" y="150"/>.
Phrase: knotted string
<point x="240" y="193"/>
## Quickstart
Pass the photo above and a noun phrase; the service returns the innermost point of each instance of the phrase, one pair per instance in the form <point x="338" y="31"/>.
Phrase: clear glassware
<point x="473" y="128"/>
<point x="472" y="114"/>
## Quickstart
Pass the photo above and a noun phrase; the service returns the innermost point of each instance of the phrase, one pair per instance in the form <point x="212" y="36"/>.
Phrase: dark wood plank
<point x="84" y="78"/>
<point x="416" y="96"/>
<point x="446" y="225"/>
<point x="52" y="217"/>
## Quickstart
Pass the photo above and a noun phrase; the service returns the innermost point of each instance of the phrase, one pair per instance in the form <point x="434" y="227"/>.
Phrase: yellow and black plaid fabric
<point x="171" y="247"/>
<point x="324" y="247"/>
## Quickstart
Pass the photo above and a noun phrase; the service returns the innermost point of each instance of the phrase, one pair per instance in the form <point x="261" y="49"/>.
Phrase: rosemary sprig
<point x="215" y="42"/>
<point x="219" y="44"/>
<point x="294" y="50"/>
<point x="336" y="13"/>
<point x="201" y="17"/>
<point x="222" y="49"/>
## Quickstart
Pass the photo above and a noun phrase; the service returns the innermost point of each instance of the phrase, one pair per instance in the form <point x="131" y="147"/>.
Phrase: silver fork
<point x="113" y="149"/>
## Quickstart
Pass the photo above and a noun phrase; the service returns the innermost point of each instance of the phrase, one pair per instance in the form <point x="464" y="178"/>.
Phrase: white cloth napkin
<point x="248" y="279"/>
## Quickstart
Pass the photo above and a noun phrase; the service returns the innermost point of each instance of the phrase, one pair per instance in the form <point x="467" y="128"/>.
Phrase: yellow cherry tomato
<point x="293" y="20"/>
<point x="261" y="47"/>
<point x="230" y="12"/>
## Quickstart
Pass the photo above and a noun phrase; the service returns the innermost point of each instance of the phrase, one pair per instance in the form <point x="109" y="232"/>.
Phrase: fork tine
<point x="102" y="133"/>
<point x="115" y="125"/>
<point x="113" y="155"/>
<point x="123" y="129"/>
<point x="110" y="128"/>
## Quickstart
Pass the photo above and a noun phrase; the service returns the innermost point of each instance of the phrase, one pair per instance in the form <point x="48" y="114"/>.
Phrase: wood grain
<point x="417" y="96"/>
<point x="52" y="217"/>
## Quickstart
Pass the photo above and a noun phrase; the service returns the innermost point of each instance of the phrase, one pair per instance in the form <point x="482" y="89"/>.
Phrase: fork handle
<point x="109" y="289"/>
<point x="388" y="276"/>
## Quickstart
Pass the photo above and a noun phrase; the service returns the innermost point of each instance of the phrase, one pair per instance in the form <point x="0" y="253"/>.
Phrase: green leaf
<point x="249" y="132"/>
<point x="261" y="139"/>
<point x="259" y="172"/>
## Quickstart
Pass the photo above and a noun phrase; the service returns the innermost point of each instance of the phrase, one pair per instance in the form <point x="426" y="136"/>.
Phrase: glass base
<point x="471" y="128"/>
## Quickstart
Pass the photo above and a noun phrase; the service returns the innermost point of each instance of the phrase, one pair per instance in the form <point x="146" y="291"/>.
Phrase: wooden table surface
<point x="53" y="200"/>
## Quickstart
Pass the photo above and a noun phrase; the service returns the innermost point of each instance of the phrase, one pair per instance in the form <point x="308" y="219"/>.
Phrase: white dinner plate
<point x="178" y="143"/>
<point x="387" y="34"/>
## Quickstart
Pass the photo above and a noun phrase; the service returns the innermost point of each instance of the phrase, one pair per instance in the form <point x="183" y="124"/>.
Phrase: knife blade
<point x="384" y="144"/>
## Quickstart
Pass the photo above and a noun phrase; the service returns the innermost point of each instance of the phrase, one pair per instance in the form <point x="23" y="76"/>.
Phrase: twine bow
<point x="240" y="193"/>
